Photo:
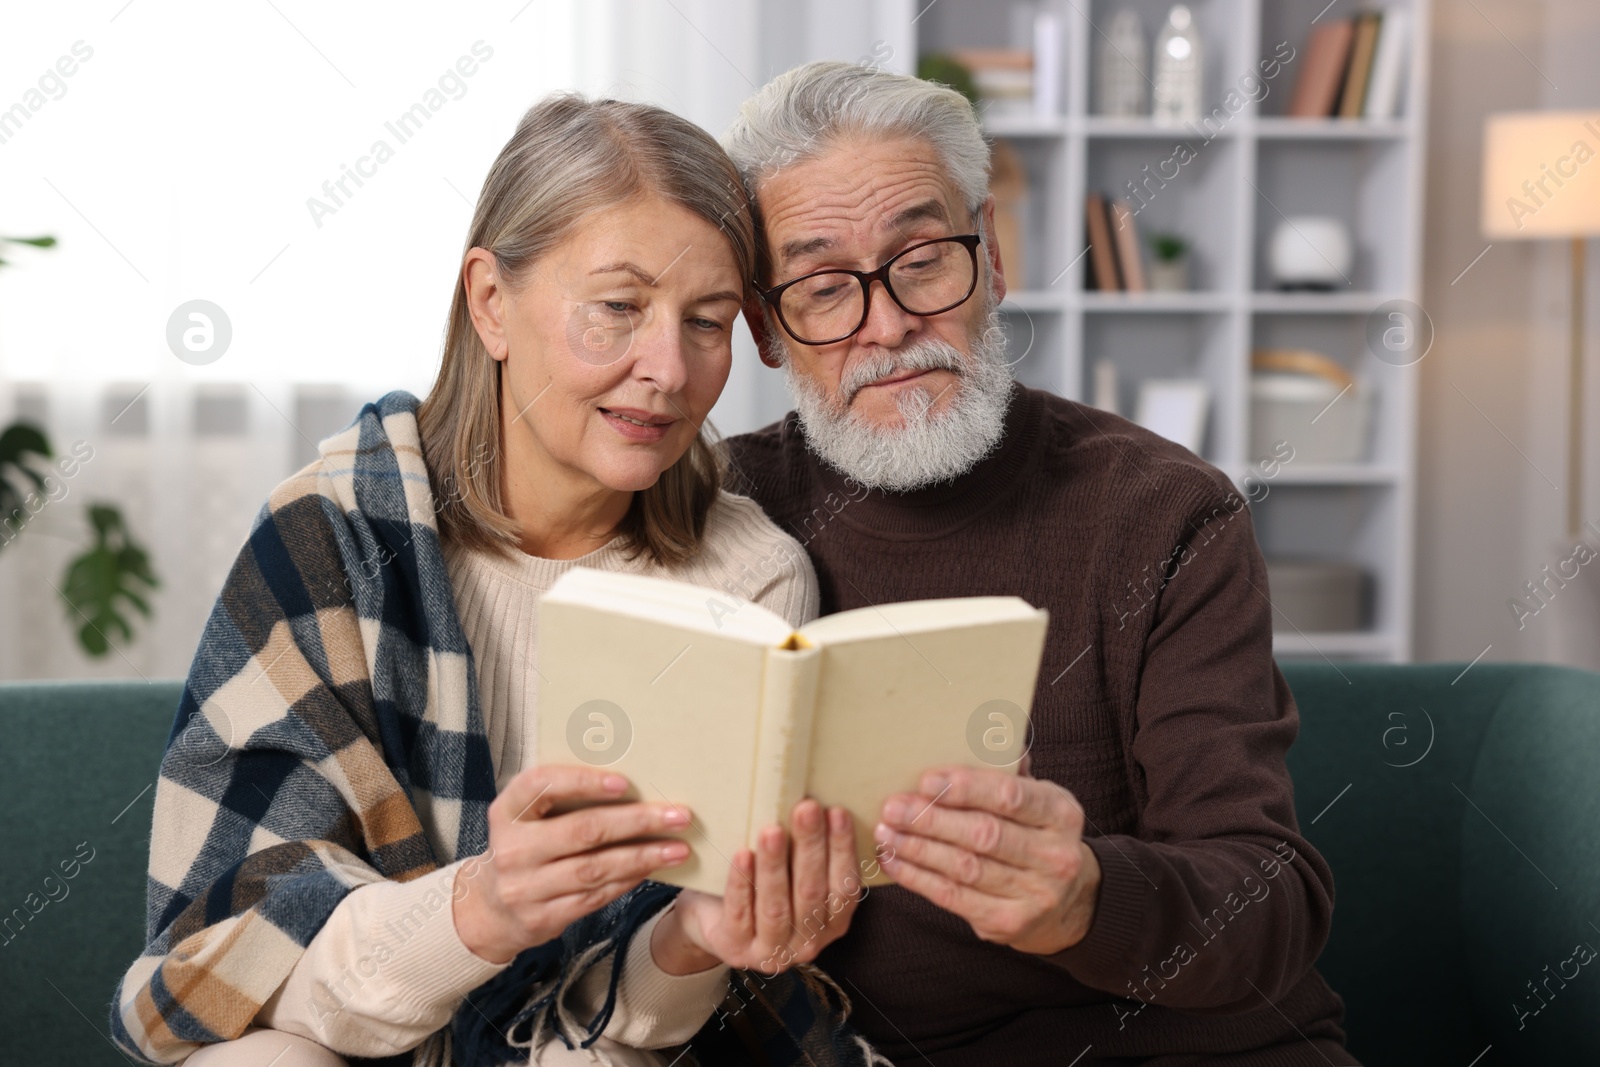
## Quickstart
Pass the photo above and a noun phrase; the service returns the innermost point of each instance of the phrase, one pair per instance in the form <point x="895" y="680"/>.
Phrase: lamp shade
<point x="1541" y="174"/>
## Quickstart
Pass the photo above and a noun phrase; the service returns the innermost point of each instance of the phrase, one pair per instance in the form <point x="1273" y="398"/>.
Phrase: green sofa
<point x="1459" y="815"/>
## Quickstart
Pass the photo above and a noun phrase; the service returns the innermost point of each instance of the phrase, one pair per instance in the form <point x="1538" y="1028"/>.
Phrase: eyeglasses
<point x="828" y="306"/>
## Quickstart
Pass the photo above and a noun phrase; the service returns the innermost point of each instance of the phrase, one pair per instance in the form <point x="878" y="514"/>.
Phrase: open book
<point x="712" y="702"/>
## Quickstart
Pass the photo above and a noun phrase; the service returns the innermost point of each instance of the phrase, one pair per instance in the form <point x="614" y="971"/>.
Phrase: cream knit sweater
<point x="397" y="982"/>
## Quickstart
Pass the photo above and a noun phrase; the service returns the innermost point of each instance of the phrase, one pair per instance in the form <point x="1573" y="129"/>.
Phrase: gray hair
<point x="571" y="157"/>
<point x="806" y="110"/>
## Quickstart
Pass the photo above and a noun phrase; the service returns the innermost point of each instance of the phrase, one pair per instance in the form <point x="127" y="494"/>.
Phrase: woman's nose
<point x="659" y="356"/>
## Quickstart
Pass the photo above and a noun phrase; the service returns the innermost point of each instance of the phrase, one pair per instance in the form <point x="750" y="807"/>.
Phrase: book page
<point x="906" y="687"/>
<point x="645" y="688"/>
<point x="682" y="604"/>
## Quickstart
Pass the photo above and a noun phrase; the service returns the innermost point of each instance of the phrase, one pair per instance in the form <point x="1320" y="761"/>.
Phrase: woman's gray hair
<point x="569" y="158"/>
<point x="804" y="111"/>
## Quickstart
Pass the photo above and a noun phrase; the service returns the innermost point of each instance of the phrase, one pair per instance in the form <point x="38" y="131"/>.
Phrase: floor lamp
<point x="1541" y="181"/>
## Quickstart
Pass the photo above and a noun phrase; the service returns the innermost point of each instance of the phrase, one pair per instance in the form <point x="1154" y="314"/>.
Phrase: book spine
<point x="1316" y="92"/>
<point x="1388" y="66"/>
<point x="1129" y="262"/>
<point x="1355" y="88"/>
<point x="1102" y="251"/>
<point x="783" y="741"/>
<point x="1047" y="46"/>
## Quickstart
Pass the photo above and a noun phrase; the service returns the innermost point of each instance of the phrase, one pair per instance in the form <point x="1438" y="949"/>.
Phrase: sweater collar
<point x="943" y="507"/>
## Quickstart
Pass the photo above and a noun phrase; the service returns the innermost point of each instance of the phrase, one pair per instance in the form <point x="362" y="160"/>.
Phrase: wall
<point x="1491" y="504"/>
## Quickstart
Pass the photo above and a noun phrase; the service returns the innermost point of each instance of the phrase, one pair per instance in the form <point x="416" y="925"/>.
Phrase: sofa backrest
<point x="1530" y="905"/>
<point x="1451" y="806"/>
<point x="77" y="774"/>
<point x="1457" y="812"/>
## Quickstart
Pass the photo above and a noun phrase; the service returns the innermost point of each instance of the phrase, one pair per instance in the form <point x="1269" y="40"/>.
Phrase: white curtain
<point x="230" y="153"/>
<point x="186" y="151"/>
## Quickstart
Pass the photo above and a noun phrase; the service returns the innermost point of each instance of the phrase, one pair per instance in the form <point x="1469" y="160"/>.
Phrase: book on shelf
<point x="1008" y="182"/>
<point x="702" y="699"/>
<point x="1115" y="261"/>
<point x="1353" y="67"/>
<point x="1316" y="90"/>
<point x="1049" y="44"/>
<point x="1354" y="97"/>
<point x="1104" y="275"/>
<point x="1388" y="65"/>
<point x="1130" y="265"/>
<point x="1003" y="78"/>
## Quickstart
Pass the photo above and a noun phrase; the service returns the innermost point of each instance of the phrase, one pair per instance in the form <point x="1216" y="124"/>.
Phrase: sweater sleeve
<point x="1219" y="901"/>
<point x="654" y="1009"/>
<point x="386" y="970"/>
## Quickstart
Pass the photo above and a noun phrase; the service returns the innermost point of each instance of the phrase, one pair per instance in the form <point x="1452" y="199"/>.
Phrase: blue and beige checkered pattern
<point x="330" y="735"/>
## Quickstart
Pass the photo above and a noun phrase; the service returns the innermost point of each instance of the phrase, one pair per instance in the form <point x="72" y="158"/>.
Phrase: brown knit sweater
<point x="1158" y="706"/>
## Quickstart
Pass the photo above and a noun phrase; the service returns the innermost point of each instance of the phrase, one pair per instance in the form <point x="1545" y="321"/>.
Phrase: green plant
<point x="37" y="242"/>
<point x="938" y="67"/>
<point x="115" y="569"/>
<point x="104" y="575"/>
<point x="1169" y="247"/>
<point x="18" y="440"/>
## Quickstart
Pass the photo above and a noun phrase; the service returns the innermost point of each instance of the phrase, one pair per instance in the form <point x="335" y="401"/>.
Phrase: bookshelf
<point x="1260" y="167"/>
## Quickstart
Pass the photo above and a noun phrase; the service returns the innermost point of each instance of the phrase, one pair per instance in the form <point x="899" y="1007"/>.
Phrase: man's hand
<point x="1003" y="851"/>
<point x="783" y="903"/>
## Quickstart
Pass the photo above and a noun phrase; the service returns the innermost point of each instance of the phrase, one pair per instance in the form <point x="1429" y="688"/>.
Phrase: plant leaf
<point x="102" y="578"/>
<point x="17" y="443"/>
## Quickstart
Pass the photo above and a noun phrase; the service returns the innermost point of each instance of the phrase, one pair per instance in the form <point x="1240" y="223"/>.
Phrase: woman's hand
<point x="782" y="905"/>
<point x="542" y="872"/>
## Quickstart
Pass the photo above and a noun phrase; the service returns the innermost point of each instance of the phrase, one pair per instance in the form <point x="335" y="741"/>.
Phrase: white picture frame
<point x="1175" y="408"/>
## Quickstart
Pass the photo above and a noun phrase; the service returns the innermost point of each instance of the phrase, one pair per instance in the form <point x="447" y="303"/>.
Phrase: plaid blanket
<point x="329" y="735"/>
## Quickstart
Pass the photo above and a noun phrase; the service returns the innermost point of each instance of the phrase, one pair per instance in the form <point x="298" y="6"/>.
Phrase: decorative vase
<point x="1178" y="68"/>
<point x="1120" y="73"/>
<point x="1169" y="275"/>
<point x="1311" y="252"/>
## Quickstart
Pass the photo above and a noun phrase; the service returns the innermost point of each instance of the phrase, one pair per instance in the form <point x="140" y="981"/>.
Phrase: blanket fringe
<point x="871" y="1057"/>
<point x="435" y="1051"/>
<point x="821" y="983"/>
<point x="552" y="993"/>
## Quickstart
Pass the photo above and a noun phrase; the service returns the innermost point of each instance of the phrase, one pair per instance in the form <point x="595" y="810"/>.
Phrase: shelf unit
<point x="1258" y="167"/>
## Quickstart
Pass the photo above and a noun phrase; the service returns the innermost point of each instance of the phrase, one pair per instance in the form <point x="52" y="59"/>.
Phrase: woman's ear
<point x="755" y="317"/>
<point x="485" y="300"/>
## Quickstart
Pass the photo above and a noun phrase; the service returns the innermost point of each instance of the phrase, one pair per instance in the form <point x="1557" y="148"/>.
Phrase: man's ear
<point x="755" y="317"/>
<point x="992" y="244"/>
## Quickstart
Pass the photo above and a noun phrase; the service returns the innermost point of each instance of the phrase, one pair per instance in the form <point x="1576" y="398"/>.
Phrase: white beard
<point x="928" y="448"/>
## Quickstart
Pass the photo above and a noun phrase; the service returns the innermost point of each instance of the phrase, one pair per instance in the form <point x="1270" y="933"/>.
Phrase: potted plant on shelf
<point x="947" y="70"/>
<point x="114" y="569"/>
<point x="1170" y="271"/>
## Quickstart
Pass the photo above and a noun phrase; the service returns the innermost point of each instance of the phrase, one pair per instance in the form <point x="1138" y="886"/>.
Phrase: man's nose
<point x="887" y="323"/>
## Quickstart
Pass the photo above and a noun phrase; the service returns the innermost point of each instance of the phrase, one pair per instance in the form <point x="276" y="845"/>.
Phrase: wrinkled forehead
<point x="855" y="198"/>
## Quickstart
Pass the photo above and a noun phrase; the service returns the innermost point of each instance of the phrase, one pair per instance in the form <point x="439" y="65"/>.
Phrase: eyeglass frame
<point x="774" y="295"/>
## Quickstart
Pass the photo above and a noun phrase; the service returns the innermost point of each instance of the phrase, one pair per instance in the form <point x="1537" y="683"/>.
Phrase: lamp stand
<point x="1574" y="633"/>
<point x="1575" y="396"/>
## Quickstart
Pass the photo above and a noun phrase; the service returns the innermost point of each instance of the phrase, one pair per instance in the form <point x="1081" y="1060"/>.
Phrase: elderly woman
<point x="356" y="854"/>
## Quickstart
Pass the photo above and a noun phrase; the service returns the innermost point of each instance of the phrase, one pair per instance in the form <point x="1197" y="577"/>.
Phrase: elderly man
<point x="1143" y="893"/>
